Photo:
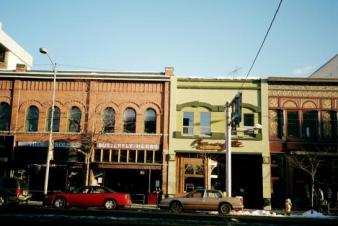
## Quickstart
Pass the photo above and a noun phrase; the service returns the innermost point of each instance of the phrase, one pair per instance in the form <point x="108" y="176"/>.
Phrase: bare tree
<point x="309" y="162"/>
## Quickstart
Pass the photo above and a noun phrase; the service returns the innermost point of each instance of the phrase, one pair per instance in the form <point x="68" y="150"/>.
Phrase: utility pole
<point x="228" y="150"/>
<point x="233" y="117"/>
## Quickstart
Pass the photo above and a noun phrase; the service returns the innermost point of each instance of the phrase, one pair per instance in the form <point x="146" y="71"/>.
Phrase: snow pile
<point x="256" y="213"/>
<point x="309" y="213"/>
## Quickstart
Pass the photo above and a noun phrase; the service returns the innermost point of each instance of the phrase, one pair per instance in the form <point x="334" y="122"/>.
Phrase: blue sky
<point x="196" y="37"/>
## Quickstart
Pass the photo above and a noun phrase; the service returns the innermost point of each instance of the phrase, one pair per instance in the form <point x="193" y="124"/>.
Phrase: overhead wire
<point x="261" y="46"/>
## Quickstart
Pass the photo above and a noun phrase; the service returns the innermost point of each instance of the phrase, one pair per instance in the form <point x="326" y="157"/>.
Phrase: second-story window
<point x="32" y="119"/>
<point x="109" y="120"/>
<point x="292" y="123"/>
<point x="56" y="119"/>
<point x="310" y="124"/>
<point x="74" y="120"/>
<point x="129" y="121"/>
<point x="205" y="120"/>
<point x="150" y="121"/>
<point x="5" y="116"/>
<point x="188" y="123"/>
<point x="249" y="120"/>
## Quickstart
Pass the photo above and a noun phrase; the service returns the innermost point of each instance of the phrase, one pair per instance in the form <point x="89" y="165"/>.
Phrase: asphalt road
<point x="38" y="216"/>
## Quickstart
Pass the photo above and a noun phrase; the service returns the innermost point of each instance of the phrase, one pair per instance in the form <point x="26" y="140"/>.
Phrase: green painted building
<point x="198" y="132"/>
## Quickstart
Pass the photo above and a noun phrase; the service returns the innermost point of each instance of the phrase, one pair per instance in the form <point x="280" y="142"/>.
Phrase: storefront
<point x="132" y="168"/>
<point x="66" y="166"/>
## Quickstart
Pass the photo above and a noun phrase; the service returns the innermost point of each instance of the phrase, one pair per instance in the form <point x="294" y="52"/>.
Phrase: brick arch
<point x="152" y="105"/>
<point x="100" y="107"/>
<point x="78" y="104"/>
<point x="126" y="105"/>
<point x="5" y="99"/>
<point x="24" y="106"/>
<point x="309" y="105"/>
<point x="289" y="104"/>
<point x="48" y="104"/>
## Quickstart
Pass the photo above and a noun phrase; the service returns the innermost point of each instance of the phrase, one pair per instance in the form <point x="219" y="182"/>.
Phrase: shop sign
<point x="129" y="166"/>
<point x="44" y="144"/>
<point x="129" y="146"/>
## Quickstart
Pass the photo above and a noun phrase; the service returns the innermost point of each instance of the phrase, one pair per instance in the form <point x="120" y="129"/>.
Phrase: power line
<point x="260" y="48"/>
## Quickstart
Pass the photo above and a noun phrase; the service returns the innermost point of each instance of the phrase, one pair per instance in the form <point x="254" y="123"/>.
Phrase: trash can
<point x="152" y="198"/>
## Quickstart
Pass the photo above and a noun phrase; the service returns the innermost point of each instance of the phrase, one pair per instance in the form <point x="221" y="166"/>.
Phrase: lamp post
<point x="50" y="141"/>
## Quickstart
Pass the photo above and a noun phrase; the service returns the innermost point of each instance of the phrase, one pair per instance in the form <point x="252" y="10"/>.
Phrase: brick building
<point x="119" y="119"/>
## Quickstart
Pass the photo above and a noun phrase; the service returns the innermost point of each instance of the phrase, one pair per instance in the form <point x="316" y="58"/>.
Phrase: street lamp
<point x="50" y="141"/>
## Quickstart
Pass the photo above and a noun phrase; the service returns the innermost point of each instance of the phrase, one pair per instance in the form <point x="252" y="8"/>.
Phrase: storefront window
<point x="106" y="155"/>
<point x="150" y="121"/>
<point x="5" y="114"/>
<point x="109" y="120"/>
<point x="140" y="156"/>
<point x="115" y="155"/>
<point x="158" y="156"/>
<point x="129" y="121"/>
<point x="97" y="155"/>
<point x="199" y="170"/>
<point x="56" y="119"/>
<point x="32" y="119"/>
<point x="189" y="169"/>
<point x="74" y="119"/>
<point x="123" y="156"/>
<point x="132" y="156"/>
<point x="150" y="155"/>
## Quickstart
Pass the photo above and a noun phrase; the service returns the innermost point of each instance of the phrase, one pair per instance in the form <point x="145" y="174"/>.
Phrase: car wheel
<point x="60" y="202"/>
<point x="2" y="201"/>
<point x="110" y="204"/>
<point x="176" y="207"/>
<point x="224" y="208"/>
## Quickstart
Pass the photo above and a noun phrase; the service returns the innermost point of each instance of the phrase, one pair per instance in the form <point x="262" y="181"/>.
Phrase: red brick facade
<point x="92" y="94"/>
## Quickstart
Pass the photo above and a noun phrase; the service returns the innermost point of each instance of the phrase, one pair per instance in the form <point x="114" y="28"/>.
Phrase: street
<point x="38" y="215"/>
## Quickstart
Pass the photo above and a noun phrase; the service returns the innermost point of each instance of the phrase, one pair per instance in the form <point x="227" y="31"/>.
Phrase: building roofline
<point x="324" y="65"/>
<point x="90" y="75"/>
<point x="306" y="79"/>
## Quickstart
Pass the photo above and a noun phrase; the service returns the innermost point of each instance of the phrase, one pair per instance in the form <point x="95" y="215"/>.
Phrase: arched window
<point x="32" y="119"/>
<point x="129" y="121"/>
<point x="109" y="120"/>
<point x="56" y="119"/>
<point x="74" y="121"/>
<point x="150" y="121"/>
<point x="5" y="116"/>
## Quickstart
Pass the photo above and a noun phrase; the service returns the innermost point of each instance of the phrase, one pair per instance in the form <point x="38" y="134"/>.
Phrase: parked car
<point x="203" y="199"/>
<point x="89" y="196"/>
<point x="13" y="191"/>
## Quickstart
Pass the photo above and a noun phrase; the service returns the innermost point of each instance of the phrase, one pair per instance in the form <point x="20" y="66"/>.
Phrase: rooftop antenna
<point x="234" y="72"/>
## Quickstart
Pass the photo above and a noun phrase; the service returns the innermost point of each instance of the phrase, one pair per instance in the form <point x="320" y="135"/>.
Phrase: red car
<point x="89" y="196"/>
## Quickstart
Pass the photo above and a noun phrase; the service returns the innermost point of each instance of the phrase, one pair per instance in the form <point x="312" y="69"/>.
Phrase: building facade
<point x="11" y="53"/>
<point x="120" y="120"/>
<point x="303" y="127"/>
<point x="197" y="142"/>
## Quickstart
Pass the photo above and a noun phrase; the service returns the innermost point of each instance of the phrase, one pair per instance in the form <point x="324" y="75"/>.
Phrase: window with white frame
<point x="205" y="122"/>
<point x="188" y="123"/>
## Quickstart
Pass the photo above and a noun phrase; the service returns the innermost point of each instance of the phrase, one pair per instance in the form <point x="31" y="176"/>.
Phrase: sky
<point x="211" y="38"/>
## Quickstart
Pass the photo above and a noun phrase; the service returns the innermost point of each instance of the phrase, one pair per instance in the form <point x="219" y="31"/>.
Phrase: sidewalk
<point x="133" y="206"/>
